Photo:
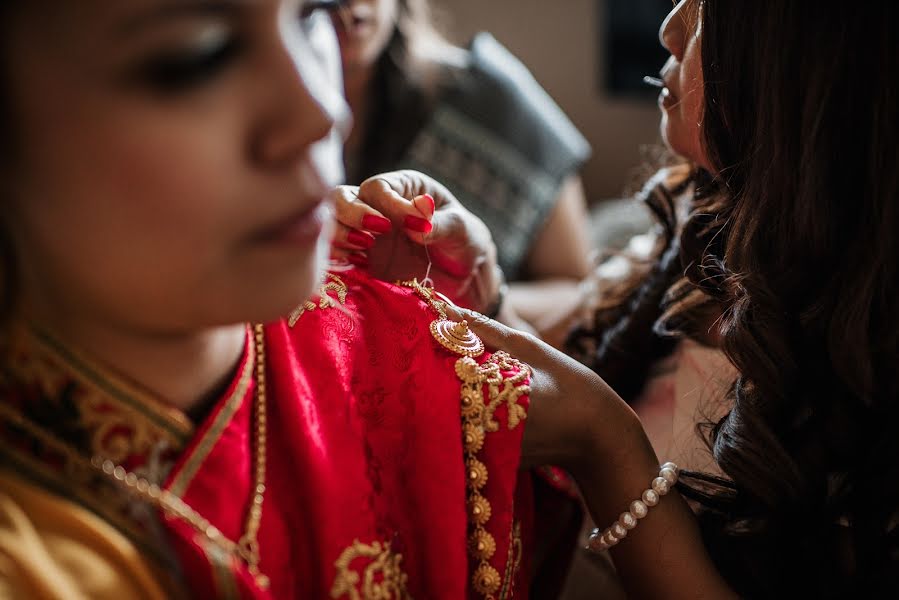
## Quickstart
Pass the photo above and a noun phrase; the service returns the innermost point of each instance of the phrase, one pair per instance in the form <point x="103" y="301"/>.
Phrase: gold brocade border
<point x="127" y="393"/>
<point x="195" y="460"/>
<point x="478" y="420"/>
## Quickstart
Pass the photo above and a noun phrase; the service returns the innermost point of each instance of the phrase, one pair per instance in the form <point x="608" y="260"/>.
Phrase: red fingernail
<point x="358" y="260"/>
<point x="430" y="199"/>
<point x="376" y="224"/>
<point x="357" y="238"/>
<point x="417" y="224"/>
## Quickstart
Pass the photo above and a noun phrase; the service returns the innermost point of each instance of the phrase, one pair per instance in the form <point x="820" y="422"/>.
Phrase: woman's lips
<point x="666" y="98"/>
<point x="301" y="228"/>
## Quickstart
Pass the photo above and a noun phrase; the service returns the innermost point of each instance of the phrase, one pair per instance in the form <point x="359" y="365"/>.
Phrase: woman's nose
<point x="307" y="103"/>
<point x="672" y="33"/>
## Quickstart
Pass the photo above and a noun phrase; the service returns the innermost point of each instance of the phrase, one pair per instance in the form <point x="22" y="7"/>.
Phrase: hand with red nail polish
<point x="360" y="240"/>
<point x="417" y="224"/>
<point x="402" y="212"/>
<point x="376" y="224"/>
<point x="358" y="224"/>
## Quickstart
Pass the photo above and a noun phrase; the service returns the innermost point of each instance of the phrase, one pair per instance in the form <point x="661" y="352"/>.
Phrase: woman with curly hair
<point x="762" y="324"/>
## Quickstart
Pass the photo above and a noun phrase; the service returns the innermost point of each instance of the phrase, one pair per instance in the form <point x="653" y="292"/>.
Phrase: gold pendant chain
<point x="245" y="549"/>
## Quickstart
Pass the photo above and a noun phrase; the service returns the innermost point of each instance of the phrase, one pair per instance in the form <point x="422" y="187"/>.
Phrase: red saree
<point x="391" y="463"/>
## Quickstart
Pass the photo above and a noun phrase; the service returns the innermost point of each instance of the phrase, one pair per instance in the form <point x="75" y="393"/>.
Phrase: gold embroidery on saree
<point x="382" y="578"/>
<point x="478" y="418"/>
<point x="478" y="412"/>
<point x="333" y="284"/>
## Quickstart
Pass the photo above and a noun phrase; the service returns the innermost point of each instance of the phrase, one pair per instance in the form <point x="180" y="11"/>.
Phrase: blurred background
<point x="590" y="55"/>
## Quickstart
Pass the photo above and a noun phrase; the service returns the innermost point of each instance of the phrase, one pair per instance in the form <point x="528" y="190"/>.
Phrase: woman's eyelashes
<point x="190" y="67"/>
<point x="200" y="61"/>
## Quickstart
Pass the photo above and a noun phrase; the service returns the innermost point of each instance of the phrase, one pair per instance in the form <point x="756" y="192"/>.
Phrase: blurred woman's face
<point x="681" y="101"/>
<point x="173" y="157"/>
<point x="364" y="31"/>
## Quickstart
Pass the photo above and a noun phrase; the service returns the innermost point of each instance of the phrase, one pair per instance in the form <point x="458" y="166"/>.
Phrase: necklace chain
<point x="247" y="547"/>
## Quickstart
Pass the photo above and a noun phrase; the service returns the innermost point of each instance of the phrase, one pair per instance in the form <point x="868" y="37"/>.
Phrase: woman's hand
<point x="396" y="224"/>
<point x="575" y="420"/>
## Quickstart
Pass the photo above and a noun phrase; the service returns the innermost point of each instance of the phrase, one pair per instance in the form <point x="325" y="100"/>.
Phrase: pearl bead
<point x="650" y="498"/>
<point x="638" y="509"/>
<point x="609" y="538"/>
<point x="669" y="475"/>
<point x="627" y="520"/>
<point x="660" y="486"/>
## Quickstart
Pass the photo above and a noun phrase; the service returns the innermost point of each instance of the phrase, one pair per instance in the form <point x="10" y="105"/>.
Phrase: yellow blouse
<point x="51" y="548"/>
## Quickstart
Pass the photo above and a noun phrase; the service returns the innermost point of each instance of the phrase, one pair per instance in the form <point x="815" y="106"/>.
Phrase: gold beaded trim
<point x="477" y="420"/>
<point x="333" y="284"/>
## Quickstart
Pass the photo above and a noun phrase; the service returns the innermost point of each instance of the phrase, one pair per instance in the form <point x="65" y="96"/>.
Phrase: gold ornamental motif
<point x="456" y="337"/>
<point x="501" y="390"/>
<point x="479" y="510"/>
<point x="486" y="580"/>
<point x="472" y="438"/>
<point x="333" y="284"/>
<point x="381" y="579"/>
<point x="481" y="545"/>
<point x="477" y="473"/>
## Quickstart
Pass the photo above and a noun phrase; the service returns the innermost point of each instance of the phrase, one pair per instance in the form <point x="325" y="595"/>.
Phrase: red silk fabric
<point x="366" y="479"/>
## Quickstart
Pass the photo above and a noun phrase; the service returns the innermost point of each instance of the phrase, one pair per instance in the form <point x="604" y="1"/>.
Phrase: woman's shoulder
<point x="498" y="90"/>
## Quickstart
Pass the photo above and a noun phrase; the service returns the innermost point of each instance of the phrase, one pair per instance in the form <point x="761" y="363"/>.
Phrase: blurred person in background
<point x="478" y="121"/>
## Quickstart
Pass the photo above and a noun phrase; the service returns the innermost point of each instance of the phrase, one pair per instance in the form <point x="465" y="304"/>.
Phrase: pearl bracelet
<point x="661" y="485"/>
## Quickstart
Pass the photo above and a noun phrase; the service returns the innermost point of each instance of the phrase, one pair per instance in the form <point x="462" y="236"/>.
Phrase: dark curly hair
<point x="790" y="256"/>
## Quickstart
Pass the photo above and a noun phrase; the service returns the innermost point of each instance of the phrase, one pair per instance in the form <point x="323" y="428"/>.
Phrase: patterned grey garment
<point x="502" y="146"/>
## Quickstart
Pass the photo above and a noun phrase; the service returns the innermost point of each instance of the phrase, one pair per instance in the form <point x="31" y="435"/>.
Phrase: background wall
<point x="559" y="42"/>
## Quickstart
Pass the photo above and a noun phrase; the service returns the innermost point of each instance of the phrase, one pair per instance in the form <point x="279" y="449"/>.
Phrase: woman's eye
<point x="183" y="69"/>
